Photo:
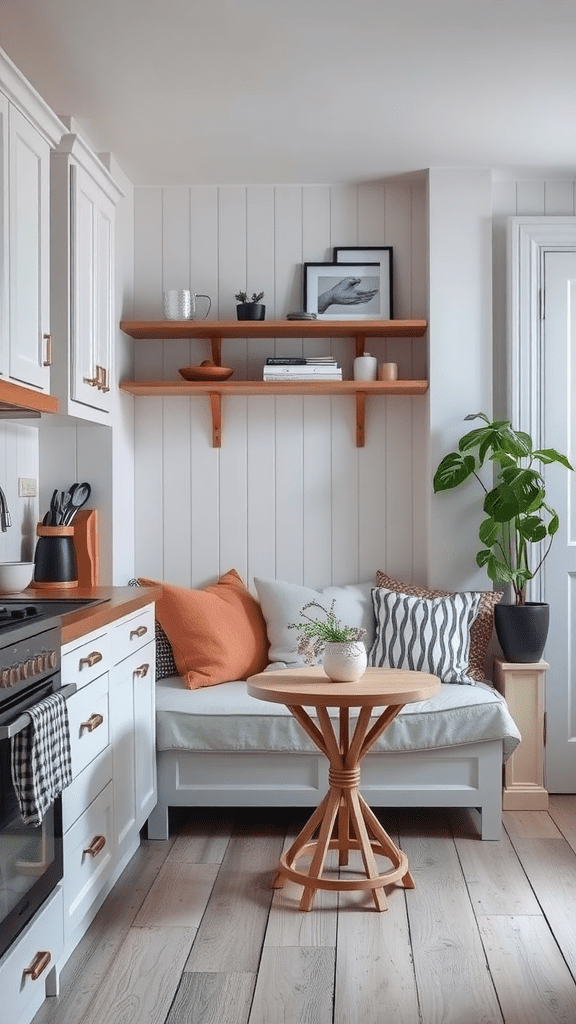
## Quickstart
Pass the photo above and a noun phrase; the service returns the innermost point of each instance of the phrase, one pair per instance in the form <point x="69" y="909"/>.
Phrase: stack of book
<point x="299" y="368"/>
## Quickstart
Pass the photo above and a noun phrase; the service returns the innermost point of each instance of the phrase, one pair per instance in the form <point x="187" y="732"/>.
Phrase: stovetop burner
<point x="21" y="612"/>
<point x="16" y="614"/>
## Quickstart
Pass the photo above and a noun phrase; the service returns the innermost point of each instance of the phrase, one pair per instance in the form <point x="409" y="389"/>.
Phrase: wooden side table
<point x="343" y="820"/>
<point x="522" y="686"/>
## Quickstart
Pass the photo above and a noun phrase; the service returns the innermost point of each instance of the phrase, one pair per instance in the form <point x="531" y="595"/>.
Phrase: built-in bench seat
<point x="218" y="746"/>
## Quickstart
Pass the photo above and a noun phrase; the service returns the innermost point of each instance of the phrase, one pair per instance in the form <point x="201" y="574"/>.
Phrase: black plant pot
<point x="522" y="630"/>
<point x="251" y="311"/>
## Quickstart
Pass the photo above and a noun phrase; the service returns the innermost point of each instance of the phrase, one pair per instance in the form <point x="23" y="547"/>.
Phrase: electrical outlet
<point x="27" y="487"/>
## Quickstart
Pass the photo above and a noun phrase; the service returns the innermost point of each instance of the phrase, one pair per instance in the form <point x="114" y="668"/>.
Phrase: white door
<point x="29" y="232"/>
<point x="559" y="431"/>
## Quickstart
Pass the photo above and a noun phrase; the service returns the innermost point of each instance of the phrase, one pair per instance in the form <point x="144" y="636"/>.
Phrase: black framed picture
<point x="369" y="254"/>
<point x="337" y="291"/>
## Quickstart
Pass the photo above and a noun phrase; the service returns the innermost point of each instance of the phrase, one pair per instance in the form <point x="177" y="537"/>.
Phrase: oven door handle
<point x="20" y="723"/>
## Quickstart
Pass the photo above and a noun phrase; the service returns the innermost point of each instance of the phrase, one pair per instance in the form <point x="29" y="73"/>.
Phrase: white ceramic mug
<point x="181" y="304"/>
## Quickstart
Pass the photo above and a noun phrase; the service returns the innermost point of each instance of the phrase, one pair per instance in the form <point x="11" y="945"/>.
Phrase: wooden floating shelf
<point x="166" y="329"/>
<point x="170" y="388"/>
<point x="216" y="330"/>
<point x="215" y="391"/>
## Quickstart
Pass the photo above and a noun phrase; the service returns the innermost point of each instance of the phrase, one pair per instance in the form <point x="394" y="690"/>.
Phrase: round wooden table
<point x="343" y="820"/>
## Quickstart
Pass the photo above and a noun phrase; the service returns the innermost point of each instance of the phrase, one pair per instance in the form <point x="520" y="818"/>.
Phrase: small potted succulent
<point x="341" y="649"/>
<point x="250" y="309"/>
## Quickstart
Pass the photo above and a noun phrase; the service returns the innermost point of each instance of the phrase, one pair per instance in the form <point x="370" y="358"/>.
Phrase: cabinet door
<point x="21" y="994"/>
<point x="122" y="701"/>
<point x="3" y="235"/>
<point x="29" y="244"/>
<point x="88" y="859"/>
<point x="134" y="742"/>
<point x="92" y="219"/>
<point x="144" y="677"/>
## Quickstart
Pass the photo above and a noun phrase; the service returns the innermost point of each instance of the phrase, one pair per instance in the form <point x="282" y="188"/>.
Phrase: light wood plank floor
<point x="194" y="934"/>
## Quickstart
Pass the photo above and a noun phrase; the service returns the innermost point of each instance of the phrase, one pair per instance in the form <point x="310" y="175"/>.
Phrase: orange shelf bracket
<point x="359" y="342"/>
<point x="216" y="347"/>
<point x="216" y="408"/>
<point x="360" y="419"/>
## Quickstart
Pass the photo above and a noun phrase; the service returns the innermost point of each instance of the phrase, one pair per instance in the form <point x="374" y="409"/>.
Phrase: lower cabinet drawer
<point x="85" y="787"/>
<point x="88" y="860"/>
<point x="83" y="661"/>
<point x="22" y="994"/>
<point x="132" y="633"/>
<point x="89" y="724"/>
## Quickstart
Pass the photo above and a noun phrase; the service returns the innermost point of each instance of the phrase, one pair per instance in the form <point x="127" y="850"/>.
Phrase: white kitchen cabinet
<point x="83" y="201"/>
<point x="88" y="858"/>
<point x="87" y="804"/>
<point x="28" y="129"/>
<point x="89" y="722"/>
<point x="30" y="353"/>
<point x="133" y="724"/>
<point x="86" y="658"/>
<point x="112" y="736"/>
<point x="4" y="284"/>
<point x="27" y="971"/>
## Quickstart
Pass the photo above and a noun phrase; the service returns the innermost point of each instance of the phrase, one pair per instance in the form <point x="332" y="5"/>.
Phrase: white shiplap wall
<point x="18" y="458"/>
<point x="288" y="495"/>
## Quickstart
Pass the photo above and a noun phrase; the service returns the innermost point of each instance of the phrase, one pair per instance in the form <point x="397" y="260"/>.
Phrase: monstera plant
<point x="519" y="526"/>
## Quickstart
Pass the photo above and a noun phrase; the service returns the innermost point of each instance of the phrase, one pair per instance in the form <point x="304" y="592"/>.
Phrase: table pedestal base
<point x="343" y="821"/>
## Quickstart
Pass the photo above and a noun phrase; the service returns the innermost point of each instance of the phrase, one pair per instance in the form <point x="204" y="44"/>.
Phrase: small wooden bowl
<point x="205" y="372"/>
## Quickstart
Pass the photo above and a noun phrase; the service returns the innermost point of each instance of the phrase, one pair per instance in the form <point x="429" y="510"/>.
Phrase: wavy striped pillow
<point x="424" y="634"/>
<point x="482" y="627"/>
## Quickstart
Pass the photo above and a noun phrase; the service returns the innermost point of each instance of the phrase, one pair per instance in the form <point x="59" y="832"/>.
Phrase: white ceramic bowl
<point x="15" y="576"/>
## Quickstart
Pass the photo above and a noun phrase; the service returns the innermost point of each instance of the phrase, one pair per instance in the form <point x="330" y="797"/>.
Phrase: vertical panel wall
<point x="460" y="311"/>
<point x="288" y="495"/>
<point x="18" y="458"/>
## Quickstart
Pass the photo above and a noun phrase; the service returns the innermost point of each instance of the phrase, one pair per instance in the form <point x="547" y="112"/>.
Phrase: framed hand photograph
<point x="369" y="254"/>
<point x="355" y="291"/>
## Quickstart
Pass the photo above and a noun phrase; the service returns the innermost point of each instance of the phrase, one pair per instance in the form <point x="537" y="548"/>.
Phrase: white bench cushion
<point x="226" y="717"/>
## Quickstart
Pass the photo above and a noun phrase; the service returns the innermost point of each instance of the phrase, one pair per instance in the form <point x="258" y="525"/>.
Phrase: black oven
<point x="30" y="856"/>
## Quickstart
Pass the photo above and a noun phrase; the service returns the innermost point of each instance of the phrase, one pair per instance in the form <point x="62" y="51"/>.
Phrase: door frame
<point x="528" y="239"/>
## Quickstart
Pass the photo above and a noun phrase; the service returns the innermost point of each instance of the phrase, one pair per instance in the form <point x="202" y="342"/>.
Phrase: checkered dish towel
<point x="41" y="762"/>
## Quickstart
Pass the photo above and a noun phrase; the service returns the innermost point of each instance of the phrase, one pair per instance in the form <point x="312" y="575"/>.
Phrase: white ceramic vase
<point x="345" y="662"/>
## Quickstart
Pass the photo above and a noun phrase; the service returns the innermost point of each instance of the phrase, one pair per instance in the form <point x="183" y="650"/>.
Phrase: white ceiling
<point x="308" y="91"/>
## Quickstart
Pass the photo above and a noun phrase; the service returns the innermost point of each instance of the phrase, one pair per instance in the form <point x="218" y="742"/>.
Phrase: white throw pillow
<point x="281" y="603"/>
<point x="424" y="634"/>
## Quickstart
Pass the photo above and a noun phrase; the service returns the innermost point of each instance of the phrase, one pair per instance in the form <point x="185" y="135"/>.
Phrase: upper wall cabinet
<point x="28" y="129"/>
<point x="4" y="105"/>
<point x="30" y="346"/>
<point x="84" y="196"/>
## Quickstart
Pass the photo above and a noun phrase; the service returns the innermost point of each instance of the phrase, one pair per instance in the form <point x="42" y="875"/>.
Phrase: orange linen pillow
<point x="217" y="634"/>
<point x="481" y="628"/>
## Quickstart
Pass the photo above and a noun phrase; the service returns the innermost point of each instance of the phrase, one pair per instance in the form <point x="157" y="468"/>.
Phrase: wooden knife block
<point x="85" y="525"/>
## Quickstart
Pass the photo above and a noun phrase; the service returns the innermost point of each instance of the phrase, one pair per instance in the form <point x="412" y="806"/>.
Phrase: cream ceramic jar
<point x="365" y="367"/>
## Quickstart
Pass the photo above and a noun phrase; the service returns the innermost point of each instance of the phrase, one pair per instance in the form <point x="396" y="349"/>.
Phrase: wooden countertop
<point x="119" y="601"/>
